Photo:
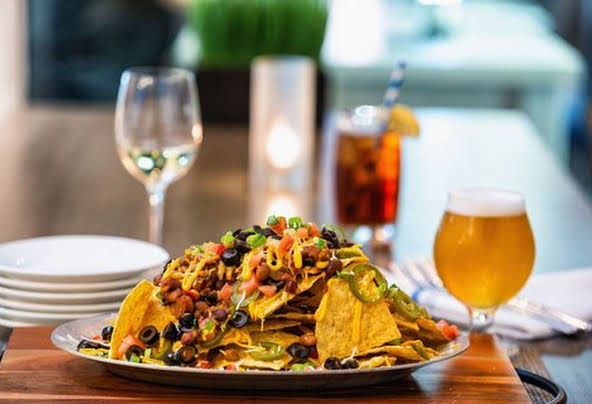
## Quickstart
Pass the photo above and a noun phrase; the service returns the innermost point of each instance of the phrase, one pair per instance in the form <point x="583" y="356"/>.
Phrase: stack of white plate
<point x="51" y="280"/>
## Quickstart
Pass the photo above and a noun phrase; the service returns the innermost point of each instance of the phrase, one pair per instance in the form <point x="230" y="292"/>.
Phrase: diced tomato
<point x="128" y="342"/>
<point x="285" y="244"/>
<point x="97" y="338"/>
<point x="254" y="261"/>
<point x="219" y="249"/>
<point x="314" y="230"/>
<point x="268" y="290"/>
<point x="215" y="248"/>
<point x="302" y="232"/>
<point x="203" y="364"/>
<point x="279" y="227"/>
<point x="225" y="292"/>
<point x="449" y="331"/>
<point x="249" y="286"/>
<point x="230" y="367"/>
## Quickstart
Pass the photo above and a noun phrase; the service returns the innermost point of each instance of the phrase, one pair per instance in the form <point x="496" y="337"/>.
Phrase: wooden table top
<point x="61" y="175"/>
<point x="33" y="370"/>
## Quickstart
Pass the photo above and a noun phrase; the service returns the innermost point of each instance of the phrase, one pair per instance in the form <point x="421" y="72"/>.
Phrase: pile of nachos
<point x="286" y="296"/>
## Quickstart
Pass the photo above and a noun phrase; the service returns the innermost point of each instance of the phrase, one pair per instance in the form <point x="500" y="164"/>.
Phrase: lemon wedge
<point x="403" y="121"/>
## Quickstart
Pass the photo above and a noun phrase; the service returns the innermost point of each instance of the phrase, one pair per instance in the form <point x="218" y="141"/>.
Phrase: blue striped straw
<point x="396" y="81"/>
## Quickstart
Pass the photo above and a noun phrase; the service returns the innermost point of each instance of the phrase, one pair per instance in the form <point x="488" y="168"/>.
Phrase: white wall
<point x="12" y="54"/>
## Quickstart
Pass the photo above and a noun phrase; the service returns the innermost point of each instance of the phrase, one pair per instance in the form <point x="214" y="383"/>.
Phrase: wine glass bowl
<point x="158" y="131"/>
<point x="484" y="250"/>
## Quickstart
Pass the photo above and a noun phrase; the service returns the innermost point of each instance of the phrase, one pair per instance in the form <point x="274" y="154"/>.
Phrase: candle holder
<point x="281" y="132"/>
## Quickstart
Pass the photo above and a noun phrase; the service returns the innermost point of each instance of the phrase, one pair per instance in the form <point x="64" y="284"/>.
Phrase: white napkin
<point x="569" y="291"/>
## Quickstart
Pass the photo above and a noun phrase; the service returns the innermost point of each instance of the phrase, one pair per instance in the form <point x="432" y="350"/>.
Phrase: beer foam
<point x="485" y="202"/>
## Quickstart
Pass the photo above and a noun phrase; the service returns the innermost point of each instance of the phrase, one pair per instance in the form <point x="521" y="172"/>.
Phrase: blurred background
<point x="527" y="55"/>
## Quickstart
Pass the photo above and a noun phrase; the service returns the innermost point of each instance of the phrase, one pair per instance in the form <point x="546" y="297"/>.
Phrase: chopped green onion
<point x="227" y="238"/>
<point x="321" y="244"/>
<point x="301" y="367"/>
<point x="135" y="359"/>
<point x="209" y="326"/>
<point x="271" y="220"/>
<point x="256" y="240"/>
<point x="158" y="295"/>
<point x="197" y="247"/>
<point x="295" y="222"/>
<point x="396" y="341"/>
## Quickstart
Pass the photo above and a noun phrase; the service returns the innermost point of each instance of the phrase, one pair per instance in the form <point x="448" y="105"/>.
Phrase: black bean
<point x="276" y="236"/>
<point x="236" y="232"/>
<point x="220" y="315"/>
<point x="308" y="262"/>
<point x="231" y="257"/>
<point x="298" y="351"/>
<point x="334" y="265"/>
<point x="332" y="364"/>
<point x="239" y="319"/>
<point x="172" y="358"/>
<point x="267" y="232"/>
<point x="350" y="364"/>
<point x="171" y="332"/>
<point x="212" y="298"/>
<point x="345" y="243"/>
<point x="149" y="335"/>
<point x="106" y="333"/>
<point x="257" y="228"/>
<point x="187" y="320"/>
<point x="242" y="247"/>
<point x="243" y="235"/>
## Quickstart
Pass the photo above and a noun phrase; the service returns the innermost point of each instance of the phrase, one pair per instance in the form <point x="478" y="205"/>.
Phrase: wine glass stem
<point x="156" y="200"/>
<point x="481" y="319"/>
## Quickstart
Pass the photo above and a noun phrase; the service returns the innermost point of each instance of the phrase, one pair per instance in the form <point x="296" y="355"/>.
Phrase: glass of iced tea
<point x="367" y="170"/>
<point x="484" y="250"/>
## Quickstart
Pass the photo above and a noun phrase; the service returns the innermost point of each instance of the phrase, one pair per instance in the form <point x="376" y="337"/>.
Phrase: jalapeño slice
<point x="267" y="351"/>
<point x="367" y="283"/>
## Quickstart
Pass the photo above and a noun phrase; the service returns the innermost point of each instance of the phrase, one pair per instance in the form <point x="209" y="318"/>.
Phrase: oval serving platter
<point x="67" y="336"/>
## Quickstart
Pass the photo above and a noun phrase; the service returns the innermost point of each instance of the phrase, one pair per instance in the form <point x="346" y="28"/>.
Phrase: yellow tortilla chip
<point x="261" y="308"/>
<point x="345" y="323"/>
<point x="270" y="325"/>
<point x="429" y="332"/>
<point x="131" y="314"/>
<point x="376" y="361"/>
<point x="238" y="336"/>
<point x="301" y="317"/>
<point x="157" y="314"/>
<point x="400" y="351"/>
<point x="277" y="337"/>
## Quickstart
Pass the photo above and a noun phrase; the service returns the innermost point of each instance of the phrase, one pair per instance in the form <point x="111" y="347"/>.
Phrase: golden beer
<point x="484" y="249"/>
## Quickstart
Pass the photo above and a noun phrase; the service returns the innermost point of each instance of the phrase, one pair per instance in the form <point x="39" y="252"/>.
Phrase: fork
<point x="423" y="274"/>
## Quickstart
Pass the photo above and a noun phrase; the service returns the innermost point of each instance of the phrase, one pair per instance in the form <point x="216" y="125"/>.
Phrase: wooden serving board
<point x="33" y="370"/>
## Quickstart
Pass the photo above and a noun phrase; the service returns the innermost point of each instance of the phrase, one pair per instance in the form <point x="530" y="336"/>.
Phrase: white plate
<point x="68" y="335"/>
<point x="59" y="308"/>
<point x="79" y="258"/>
<point x="41" y="318"/>
<point x="12" y="324"/>
<point x="66" y="298"/>
<point x="69" y="287"/>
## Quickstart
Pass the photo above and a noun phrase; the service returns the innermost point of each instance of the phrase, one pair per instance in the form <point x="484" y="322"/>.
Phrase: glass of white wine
<point x="158" y="131"/>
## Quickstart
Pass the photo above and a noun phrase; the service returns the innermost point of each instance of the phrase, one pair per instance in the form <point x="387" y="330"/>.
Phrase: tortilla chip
<point x="430" y="333"/>
<point x="261" y="308"/>
<point x="157" y="314"/>
<point x="345" y="323"/>
<point x="277" y="337"/>
<point x="376" y="361"/>
<point x="399" y="351"/>
<point x="301" y="317"/>
<point x="238" y="336"/>
<point x="131" y="314"/>
<point x="270" y="325"/>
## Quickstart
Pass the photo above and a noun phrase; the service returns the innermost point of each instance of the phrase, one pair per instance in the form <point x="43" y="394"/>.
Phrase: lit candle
<point x="283" y="146"/>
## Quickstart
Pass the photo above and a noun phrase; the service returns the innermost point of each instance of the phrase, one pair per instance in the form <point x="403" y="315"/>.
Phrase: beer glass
<point x="484" y="250"/>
